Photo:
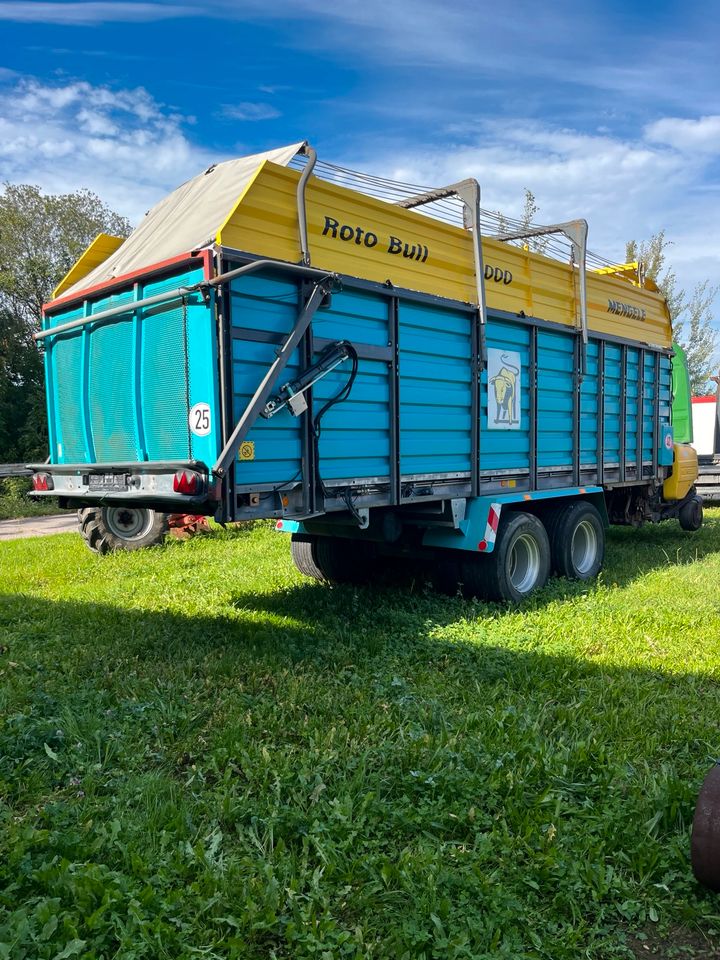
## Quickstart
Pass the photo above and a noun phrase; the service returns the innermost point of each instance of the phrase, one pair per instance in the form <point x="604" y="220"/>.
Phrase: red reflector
<point x="279" y="525"/>
<point x="187" y="482"/>
<point x="482" y="545"/>
<point x="41" y="481"/>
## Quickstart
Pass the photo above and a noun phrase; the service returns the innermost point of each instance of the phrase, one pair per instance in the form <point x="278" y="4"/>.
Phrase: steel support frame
<point x="478" y="353"/>
<point x="468" y="191"/>
<point x="136" y="375"/>
<point x="578" y="354"/>
<point x="265" y="388"/>
<point x="641" y="414"/>
<point x="225" y="365"/>
<point x="533" y="426"/>
<point x="308" y="460"/>
<point x="623" y="414"/>
<point x="394" y="385"/>
<point x="656" y="417"/>
<point x="88" y="443"/>
<point x="601" y="415"/>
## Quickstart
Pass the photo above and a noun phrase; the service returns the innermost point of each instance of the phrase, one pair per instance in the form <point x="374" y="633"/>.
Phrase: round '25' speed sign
<point x="199" y="419"/>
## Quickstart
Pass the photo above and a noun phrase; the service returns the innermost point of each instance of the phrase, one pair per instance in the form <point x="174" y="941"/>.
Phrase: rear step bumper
<point x="135" y="484"/>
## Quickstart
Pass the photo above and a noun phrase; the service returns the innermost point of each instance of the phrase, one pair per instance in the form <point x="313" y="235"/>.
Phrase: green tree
<point x="22" y="419"/>
<point x="691" y="315"/>
<point x="530" y="208"/>
<point x="702" y="338"/>
<point x="41" y="236"/>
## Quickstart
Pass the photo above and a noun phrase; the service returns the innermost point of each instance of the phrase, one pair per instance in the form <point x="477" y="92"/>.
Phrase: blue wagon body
<point x="122" y="392"/>
<point x="230" y="384"/>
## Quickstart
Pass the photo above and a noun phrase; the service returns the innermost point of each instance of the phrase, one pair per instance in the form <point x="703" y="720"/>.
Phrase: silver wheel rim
<point x="128" y="523"/>
<point x="524" y="560"/>
<point x="584" y="547"/>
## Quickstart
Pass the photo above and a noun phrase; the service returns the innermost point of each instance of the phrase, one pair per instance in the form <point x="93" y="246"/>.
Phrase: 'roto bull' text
<point x="394" y="245"/>
<point x="366" y="238"/>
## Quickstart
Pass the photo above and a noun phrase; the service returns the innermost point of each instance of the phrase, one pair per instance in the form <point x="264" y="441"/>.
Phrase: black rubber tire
<point x="495" y="576"/>
<point x="705" y="842"/>
<point x="302" y="552"/>
<point x="101" y="535"/>
<point x="333" y="559"/>
<point x="691" y="514"/>
<point x="563" y="524"/>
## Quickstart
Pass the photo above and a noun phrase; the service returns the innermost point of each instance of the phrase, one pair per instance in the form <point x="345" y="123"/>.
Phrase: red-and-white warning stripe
<point x="493" y="519"/>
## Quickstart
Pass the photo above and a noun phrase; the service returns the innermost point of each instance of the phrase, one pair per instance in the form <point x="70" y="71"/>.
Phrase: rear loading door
<point x="139" y="387"/>
<point x="355" y="442"/>
<point x="406" y="424"/>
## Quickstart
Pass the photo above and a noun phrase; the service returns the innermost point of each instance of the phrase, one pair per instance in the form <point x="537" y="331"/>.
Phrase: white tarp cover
<point x="187" y="219"/>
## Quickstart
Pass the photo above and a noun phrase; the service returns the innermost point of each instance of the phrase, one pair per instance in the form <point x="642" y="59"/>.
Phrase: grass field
<point x="202" y="754"/>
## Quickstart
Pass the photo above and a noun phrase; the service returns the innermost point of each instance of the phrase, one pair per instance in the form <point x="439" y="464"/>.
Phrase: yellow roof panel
<point x="99" y="250"/>
<point x="360" y="236"/>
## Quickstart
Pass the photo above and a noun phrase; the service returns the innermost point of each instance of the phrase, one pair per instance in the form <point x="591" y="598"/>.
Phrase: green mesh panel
<point x="165" y="384"/>
<point x="111" y="392"/>
<point x="67" y="354"/>
<point x="137" y="383"/>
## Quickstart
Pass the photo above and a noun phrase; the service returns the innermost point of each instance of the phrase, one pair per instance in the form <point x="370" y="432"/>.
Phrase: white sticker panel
<point x="504" y="389"/>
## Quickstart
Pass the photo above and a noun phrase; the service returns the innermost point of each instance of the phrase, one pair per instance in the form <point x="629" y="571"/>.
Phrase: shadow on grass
<point x="315" y="625"/>
<point x="631" y="553"/>
<point x="615" y="749"/>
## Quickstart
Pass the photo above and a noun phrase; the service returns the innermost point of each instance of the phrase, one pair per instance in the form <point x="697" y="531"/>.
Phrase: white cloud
<point x="624" y="188"/>
<point x="90" y="13"/>
<point x="686" y="135"/>
<point x="248" y="111"/>
<point x="120" y="143"/>
<point x="131" y="150"/>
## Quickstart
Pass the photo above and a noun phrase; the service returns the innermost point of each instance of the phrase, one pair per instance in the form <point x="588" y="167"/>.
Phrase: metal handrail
<point x="311" y="154"/>
<point x="181" y="292"/>
<point x="469" y="192"/>
<point x="576" y="231"/>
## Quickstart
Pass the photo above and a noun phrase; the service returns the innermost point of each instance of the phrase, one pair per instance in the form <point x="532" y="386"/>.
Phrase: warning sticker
<point x="247" y="450"/>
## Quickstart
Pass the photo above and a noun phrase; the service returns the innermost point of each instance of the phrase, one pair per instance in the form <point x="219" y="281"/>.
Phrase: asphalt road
<point x="37" y="526"/>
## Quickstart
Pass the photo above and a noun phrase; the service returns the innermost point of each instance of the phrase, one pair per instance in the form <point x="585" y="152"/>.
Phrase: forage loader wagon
<point x="280" y="338"/>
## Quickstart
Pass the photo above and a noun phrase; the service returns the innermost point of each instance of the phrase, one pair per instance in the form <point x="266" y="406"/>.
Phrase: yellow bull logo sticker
<point x="504" y="389"/>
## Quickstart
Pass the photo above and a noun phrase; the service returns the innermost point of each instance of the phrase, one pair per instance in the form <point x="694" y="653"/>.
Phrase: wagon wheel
<point x="705" y="844"/>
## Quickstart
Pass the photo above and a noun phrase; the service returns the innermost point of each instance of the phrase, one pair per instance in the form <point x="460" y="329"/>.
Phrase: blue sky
<point x="608" y="111"/>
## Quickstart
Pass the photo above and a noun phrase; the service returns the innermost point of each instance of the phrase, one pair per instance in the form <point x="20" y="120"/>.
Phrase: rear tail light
<point x="42" y="481"/>
<point x="187" y="482"/>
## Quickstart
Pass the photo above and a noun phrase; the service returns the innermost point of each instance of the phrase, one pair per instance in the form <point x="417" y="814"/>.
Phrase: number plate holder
<point x="108" y="482"/>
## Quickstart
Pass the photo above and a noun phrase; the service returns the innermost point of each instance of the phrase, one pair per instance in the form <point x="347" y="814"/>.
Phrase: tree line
<point x="691" y="313"/>
<point x="42" y="235"/>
